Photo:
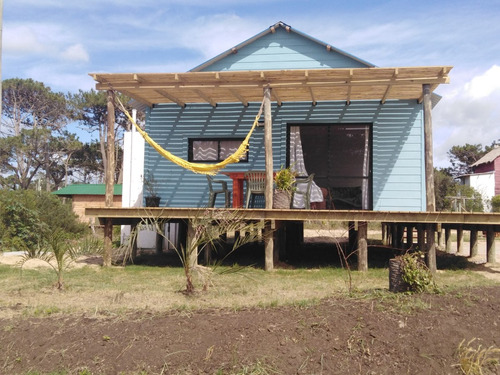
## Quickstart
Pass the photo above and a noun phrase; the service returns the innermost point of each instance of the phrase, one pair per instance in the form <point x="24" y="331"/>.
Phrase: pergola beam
<point x="293" y="85"/>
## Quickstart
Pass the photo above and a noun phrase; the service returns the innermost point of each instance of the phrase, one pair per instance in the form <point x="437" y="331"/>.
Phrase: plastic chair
<point x="256" y="185"/>
<point x="222" y="190"/>
<point x="303" y="188"/>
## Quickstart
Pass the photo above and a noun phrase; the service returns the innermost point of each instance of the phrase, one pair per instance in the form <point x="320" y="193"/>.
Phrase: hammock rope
<point x="208" y="169"/>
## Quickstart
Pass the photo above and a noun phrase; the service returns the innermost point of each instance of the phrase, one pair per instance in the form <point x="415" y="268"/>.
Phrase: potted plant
<point x="284" y="181"/>
<point x="151" y="186"/>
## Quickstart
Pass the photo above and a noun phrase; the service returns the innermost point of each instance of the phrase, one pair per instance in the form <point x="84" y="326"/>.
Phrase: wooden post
<point x="268" y="145"/>
<point x="134" y="236"/>
<point x="420" y="237"/>
<point x="159" y="237"/>
<point x="473" y="243"/>
<point x="110" y="180"/>
<point x="490" y="245"/>
<point x="429" y="165"/>
<point x="431" y="248"/>
<point x="447" y="239"/>
<point x="460" y="240"/>
<point x="439" y="230"/>
<point x="362" y="246"/>
<point x="269" y="246"/>
<point x="409" y="236"/>
<point x="191" y="248"/>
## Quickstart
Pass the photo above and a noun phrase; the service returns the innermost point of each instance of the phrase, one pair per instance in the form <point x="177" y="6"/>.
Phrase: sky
<point x="58" y="42"/>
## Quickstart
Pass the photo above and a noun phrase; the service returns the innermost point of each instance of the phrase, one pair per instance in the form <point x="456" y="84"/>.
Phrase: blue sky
<point x="59" y="42"/>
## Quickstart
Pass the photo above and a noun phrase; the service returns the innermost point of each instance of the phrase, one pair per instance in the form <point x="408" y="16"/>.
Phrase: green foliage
<point x="415" y="272"/>
<point x="462" y="157"/>
<point x="27" y="218"/>
<point x="495" y="203"/>
<point x="443" y="182"/>
<point x="58" y="253"/>
<point x="33" y="136"/>
<point x="472" y="203"/>
<point x="285" y="179"/>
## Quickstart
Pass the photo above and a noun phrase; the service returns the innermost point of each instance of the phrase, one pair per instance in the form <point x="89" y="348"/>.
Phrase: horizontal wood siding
<point x="497" y="176"/>
<point x="284" y="50"/>
<point x="397" y="159"/>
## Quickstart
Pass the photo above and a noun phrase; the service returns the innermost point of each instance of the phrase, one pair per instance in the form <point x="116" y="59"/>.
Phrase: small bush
<point x="415" y="272"/>
<point x="495" y="203"/>
<point x="28" y="217"/>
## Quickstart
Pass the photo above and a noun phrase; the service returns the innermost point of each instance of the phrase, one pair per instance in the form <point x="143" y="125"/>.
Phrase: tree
<point x="443" y="181"/>
<point x="33" y="134"/>
<point x="91" y="109"/>
<point x="462" y="157"/>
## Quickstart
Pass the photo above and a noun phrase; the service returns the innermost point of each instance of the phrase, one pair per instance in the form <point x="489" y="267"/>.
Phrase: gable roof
<point x="273" y="29"/>
<point x="488" y="158"/>
<point x="87" y="189"/>
<point x="362" y="81"/>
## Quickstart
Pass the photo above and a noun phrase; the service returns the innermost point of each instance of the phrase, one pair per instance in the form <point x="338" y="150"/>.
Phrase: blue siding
<point x="397" y="160"/>
<point x="284" y="50"/>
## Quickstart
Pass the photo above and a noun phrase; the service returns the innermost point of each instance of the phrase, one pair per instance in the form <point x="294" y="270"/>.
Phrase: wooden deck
<point x="397" y="222"/>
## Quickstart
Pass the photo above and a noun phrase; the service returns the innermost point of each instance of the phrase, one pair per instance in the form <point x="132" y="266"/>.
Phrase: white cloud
<point x="76" y="52"/>
<point x="484" y="85"/>
<point x="468" y="113"/>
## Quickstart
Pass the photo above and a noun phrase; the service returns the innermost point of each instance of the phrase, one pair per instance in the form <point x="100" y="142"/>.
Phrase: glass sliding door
<point x="340" y="157"/>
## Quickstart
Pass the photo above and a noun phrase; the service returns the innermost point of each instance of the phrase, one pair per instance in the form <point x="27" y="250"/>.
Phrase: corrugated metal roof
<point x="488" y="158"/>
<point x="87" y="189"/>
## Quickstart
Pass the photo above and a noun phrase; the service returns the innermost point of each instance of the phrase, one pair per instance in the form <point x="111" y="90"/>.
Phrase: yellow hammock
<point x="210" y="169"/>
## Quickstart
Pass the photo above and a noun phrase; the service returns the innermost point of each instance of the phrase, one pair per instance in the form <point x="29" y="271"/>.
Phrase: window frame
<point x="219" y="140"/>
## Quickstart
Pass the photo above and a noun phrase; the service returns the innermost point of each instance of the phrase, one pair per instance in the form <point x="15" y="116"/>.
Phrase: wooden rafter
<point x="172" y="98"/>
<point x="293" y="85"/>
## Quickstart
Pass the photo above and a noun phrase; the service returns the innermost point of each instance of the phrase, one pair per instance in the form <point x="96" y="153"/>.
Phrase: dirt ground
<point x="337" y="336"/>
<point x="360" y="334"/>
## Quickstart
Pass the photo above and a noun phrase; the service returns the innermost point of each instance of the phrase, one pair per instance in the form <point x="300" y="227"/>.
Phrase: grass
<point x="473" y="360"/>
<point x="116" y="290"/>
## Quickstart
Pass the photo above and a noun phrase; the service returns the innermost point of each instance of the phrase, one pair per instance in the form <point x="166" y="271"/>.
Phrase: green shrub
<point x="415" y="272"/>
<point x="495" y="203"/>
<point x="28" y="217"/>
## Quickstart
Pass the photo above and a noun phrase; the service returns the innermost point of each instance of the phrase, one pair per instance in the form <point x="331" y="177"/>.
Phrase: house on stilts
<point x="365" y="132"/>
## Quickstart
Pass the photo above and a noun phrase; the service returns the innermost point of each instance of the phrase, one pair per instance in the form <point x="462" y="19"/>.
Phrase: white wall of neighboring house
<point x="484" y="183"/>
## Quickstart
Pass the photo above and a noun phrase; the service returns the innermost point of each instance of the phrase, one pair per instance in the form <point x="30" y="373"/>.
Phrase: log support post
<point x="431" y="248"/>
<point x="269" y="246"/>
<point x="473" y="243"/>
<point x="460" y="240"/>
<point x="420" y="237"/>
<point x="490" y="245"/>
<point x="409" y="236"/>
<point x="362" y="246"/>
<point x="109" y="177"/>
<point x="134" y="234"/>
<point x="191" y="248"/>
<point x="429" y="165"/>
<point x="447" y="239"/>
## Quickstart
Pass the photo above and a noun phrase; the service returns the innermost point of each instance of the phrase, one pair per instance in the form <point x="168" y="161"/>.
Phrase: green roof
<point x="87" y="189"/>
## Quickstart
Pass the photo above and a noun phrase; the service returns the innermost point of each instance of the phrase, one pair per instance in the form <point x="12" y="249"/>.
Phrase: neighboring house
<point x="485" y="177"/>
<point x="89" y="195"/>
<point x="361" y="128"/>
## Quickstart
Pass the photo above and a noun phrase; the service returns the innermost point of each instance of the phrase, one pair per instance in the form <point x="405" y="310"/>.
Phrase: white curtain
<point x="297" y="164"/>
<point x="366" y="170"/>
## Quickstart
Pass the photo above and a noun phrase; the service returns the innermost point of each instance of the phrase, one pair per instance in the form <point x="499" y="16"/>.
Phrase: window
<point x="214" y="149"/>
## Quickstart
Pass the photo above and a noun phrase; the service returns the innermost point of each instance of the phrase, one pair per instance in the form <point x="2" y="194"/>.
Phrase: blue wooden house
<point x="363" y="131"/>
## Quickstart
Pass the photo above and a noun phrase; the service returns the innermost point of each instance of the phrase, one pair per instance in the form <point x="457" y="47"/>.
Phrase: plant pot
<point x="153" y="201"/>
<point x="396" y="282"/>
<point x="281" y="199"/>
